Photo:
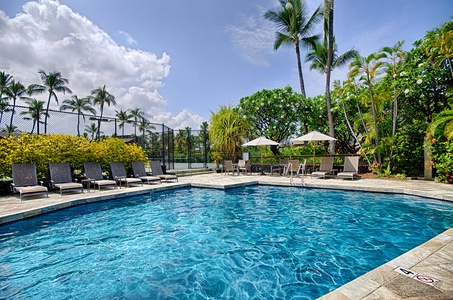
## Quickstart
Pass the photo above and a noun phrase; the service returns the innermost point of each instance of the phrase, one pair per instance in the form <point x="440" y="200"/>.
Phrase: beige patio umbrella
<point x="259" y="142"/>
<point x="313" y="136"/>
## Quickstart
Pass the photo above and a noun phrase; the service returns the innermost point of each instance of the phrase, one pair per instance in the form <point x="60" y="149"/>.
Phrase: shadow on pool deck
<point x="425" y="272"/>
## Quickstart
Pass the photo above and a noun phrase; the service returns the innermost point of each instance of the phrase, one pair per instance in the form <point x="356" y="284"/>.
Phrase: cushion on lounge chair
<point x="351" y="168"/>
<point x="138" y="168"/>
<point x="25" y="181"/>
<point x="93" y="171"/>
<point x="61" y="178"/>
<point x="325" y="170"/>
<point x="119" y="174"/>
<point x="157" y="171"/>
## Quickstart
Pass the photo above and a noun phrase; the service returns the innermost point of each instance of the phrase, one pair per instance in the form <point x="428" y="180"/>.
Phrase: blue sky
<point x="179" y="60"/>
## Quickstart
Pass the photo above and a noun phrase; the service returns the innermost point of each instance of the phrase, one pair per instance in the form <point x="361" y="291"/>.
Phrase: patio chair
<point x="138" y="167"/>
<point x="157" y="171"/>
<point x="25" y="181"/>
<point x="228" y="167"/>
<point x="280" y="168"/>
<point x="350" y="169"/>
<point x="244" y="166"/>
<point x="293" y="167"/>
<point x="93" y="171"/>
<point x="61" y="178"/>
<point x="326" y="168"/>
<point x="120" y="176"/>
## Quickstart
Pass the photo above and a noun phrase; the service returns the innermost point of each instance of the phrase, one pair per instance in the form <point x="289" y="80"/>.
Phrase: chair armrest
<point x="13" y="187"/>
<point x="41" y="183"/>
<point x="52" y="183"/>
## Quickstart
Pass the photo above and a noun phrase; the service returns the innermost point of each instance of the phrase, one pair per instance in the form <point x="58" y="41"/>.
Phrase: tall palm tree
<point x="35" y="112"/>
<point x="319" y="58"/>
<point x="124" y="117"/>
<point x="79" y="105"/>
<point x="368" y="68"/>
<point x="102" y="97"/>
<point x="15" y="90"/>
<point x="136" y="114"/>
<point x="145" y="126"/>
<point x="328" y="27"/>
<point x="52" y="83"/>
<point x="295" y="28"/>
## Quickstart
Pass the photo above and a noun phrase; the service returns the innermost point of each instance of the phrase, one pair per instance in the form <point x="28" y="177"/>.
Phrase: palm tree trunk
<point x="299" y="67"/>
<point x="98" y="134"/>
<point x="328" y="73"/>
<point x="12" y="114"/>
<point x="47" y="112"/>
<point x="376" y="133"/>
<point x="78" y="124"/>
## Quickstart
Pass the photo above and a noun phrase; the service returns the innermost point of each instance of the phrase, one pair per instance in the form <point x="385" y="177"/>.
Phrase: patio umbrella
<point x="261" y="141"/>
<point x="313" y="136"/>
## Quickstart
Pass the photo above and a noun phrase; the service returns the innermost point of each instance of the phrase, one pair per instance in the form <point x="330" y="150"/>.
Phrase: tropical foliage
<point x="42" y="149"/>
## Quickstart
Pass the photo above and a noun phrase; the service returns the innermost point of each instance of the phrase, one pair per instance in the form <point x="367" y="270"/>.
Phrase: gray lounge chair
<point x="120" y="176"/>
<point x="326" y="168"/>
<point x="138" y="168"/>
<point x="157" y="171"/>
<point x="25" y="181"/>
<point x="244" y="166"/>
<point x="93" y="171"/>
<point x="61" y="178"/>
<point x="351" y="168"/>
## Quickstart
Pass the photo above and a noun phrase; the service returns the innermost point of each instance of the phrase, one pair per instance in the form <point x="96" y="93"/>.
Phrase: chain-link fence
<point x="157" y="140"/>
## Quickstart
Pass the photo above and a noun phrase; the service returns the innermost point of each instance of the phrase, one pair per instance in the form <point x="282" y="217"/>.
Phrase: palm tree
<point x="92" y="130"/>
<point x="227" y="131"/>
<point x="295" y="28"/>
<point x="52" y="83"/>
<point x="35" y="111"/>
<point x="101" y="97"/>
<point x="145" y="126"/>
<point x="14" y="91"/>
<point x="79" y="105"/>
<point x="124" y="117"/>
<point x="319" y="58"/>
<point x="368" y="68"/>
<point x="442" y="121"/>
<point x="136" y="113"/>
<point x="4" y="82"/>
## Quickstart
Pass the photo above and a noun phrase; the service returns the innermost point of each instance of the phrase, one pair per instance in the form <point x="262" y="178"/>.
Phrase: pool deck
<point x="425" y="272"/>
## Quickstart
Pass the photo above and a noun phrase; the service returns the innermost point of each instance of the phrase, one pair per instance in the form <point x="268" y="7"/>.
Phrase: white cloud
<point x="50" y="36"/>
<point x="129" y="39"/>
<point x="180" y="121"/>
<point x="253" y="39"/>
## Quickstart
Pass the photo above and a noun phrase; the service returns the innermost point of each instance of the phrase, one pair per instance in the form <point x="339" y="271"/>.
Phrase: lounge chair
<point x="93" y="171"/>
<point x="350" y="169"/>
<point x="157" y="171"/>
<point x="326" y="168"/>
<point x="138" y="168"/>
<point x="25" y="181"/>
<point x="61" y="178"/>
<point x="120" y="176"/>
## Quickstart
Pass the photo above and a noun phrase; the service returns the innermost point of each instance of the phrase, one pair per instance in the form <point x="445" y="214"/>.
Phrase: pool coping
<point x="432" y="259"/>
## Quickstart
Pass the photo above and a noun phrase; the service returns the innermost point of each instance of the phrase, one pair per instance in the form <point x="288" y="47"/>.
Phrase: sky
<point x="179" y="61"/>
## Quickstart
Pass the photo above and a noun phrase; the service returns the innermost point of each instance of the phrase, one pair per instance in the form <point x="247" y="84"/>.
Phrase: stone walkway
<point x="425" y="272"/>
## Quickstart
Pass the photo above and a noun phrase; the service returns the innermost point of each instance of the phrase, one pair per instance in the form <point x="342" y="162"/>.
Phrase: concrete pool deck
<point x="425" y="272"/>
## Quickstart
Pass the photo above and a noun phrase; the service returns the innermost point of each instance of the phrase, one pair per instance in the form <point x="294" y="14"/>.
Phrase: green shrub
<point x="43" y="149"/>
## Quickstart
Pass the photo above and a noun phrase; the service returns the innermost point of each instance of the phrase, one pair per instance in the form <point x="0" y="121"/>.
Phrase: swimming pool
<point x="258" y="242"/>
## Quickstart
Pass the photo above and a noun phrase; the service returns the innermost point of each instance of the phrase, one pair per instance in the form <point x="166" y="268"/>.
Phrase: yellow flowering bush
<point x="43" y="149"/>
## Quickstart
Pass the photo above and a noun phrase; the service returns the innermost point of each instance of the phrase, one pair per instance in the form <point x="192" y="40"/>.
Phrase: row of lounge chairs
<point x="294" y="167"/>
<point x="25" y="180"/>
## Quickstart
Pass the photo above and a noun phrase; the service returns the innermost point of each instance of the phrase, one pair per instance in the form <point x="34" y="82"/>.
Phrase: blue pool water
<point x="246" y="243"/>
